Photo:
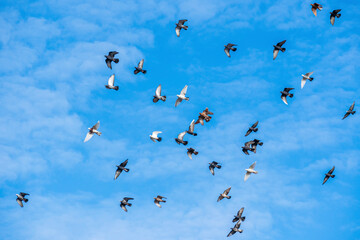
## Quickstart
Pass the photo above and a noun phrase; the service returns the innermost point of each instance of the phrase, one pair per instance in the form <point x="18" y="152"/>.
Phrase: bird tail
<point x="311" y="79"/>
<point x="185" y="27"/>
<point x="218" y="167"/>
<point x="234" y="49"/>
<point x="283" y="49"/>
<point x="98" y="133"/>
<point x="338" y="15"/>
<point x="195" y="134"/>
<point x="291" y="95"/>
<point x="185" y="143"/>
<point x="116" y="60"/>
<point x="228" y="197"/>
<point x="196" y="153"/>
<point x="136" y="71"/>
<point x="116" y="88"/>
<point x="256" y="129"/>
<point x="163" y="98"/>
<point x="126" y="169"/>
<point x="26" y="200"/>
<point x="187" y="99"/>
<point x="129" y="204"/>
<point x="353" y="112"/>
<point x="242" y="218"/>
<point x="261" y="143"/>
<point x="332" y="176"/>
<point x="159" y="139"/>
<point x="143" y="71"/>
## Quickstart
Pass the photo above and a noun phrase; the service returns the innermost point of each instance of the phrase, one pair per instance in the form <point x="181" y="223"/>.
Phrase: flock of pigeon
<point x="204" y="115"/>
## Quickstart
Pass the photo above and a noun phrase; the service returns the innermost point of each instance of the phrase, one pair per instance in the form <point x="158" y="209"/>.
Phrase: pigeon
<point x="254" y="144"/>
<point x="239" y="216"/>
<point x="124" y="203"/>
<point x="93" y="130"/>
<point x="235" y="229"/>
<point x="191" y="151"/>
<point x="111" y="58"/>
<point x="214" y="165"/>
<point x="252" y="129"/>
<point x="306" y="77"/>
<point x="180" y="25"/>
<point x="286" y="93"/>
<point x="314" y="7"/>
<point x="224" y="194"/>
<point x="350" y="111"/>
<point x="204" y="116"/>
<point x="139" y="68"/>
<point x="249" y="171"/>
<point x="159" y="199"/>
<point x="278" y="47"/>
<point x="158" y="95"/>
<point x="154" y="136"/>
<point x="110" y="84"/>
<point x="334" y="14"/>
<point x="247" y="148"/>
<point x="191" y="128"/>
<point x="180" y="138"/>
<point x="229" y="47"/>
<point x="181" y="96"/>
<point x="120" y="168"/>
<point x="329" y="175"/>
<point x="21" y="197"/>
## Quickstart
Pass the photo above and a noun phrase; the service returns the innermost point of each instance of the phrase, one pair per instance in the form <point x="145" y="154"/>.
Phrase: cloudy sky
<point x="52" y="77"/>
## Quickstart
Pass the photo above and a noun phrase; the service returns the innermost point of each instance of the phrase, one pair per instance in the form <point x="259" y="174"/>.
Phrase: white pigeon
<point x="306" y="77"/>
<point x="158" y="95"/>
<point x="110" y="84"/>
<point x="93" y="130"/>
<point x="249" y="171"/>
<point x="154" y="136"/>
<point x="182" y="96"/>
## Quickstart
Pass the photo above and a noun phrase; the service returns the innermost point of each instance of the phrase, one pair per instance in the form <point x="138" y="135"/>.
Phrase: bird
<point x="314" y="7"/>
<point x="154" y="136"/>
<point x="239" y="216"/>
<point x="212" y="166"/>
<point x="249" y="171"/>
<point x="204" y="115"/>
<point x="92" y="130"/>
<point x="139" y="68"/>
<point x="306" y="77"/>
<point x="21" y="197"/>
<point x="252" y="129"/>
<point x="235" y="229"/>
<point x="350" y="111"/>
<point x="191" y="128"/>
<point x="124" y="203"/>
<point x="334" y="14"/>
<point x="180" y="25"/>
<point x="110" y="84"/>
<point x="229" y="47"/>
<point x="111" y="58"/>
<point x="247" y="147"/>
<point x="180" y="138"/>
<point x="329" y="175"/>
<point x="120" y="168"/>
<point x="286" y="93"/>
<point x="181" y="96"/>
<point x="278" y="48"/>
<point x="224" y="195"/>
<point x="159" y="199"/>
<point x="191" y="151"/>
<point x="254" y="143"/>
<point x="158" y="95"/>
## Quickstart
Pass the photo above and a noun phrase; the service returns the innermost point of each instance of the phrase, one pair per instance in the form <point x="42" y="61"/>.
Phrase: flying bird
<point x="191" y="128"/>
<point x="278" y="48"/>
<point x="124" y="203"/>
<point x="314" y="7"/>
<point x="249" y="171"/>
<point x="92" y="130"/>
<point x="247" y="147"/>
<point x="285" y="94"/>
<point x="120" y="168"/>
<point x="21" y="197"/>
<point x="212" y="166"/>
<point x="239" y="216"/>
<point x="224" y="195"/>
<point x="306" y="77"/>
<point x="350" y="111"/>
<point x="158" y="200"/>
<point x="111" y="58"/>
<point x="110" y="84"/>
<point x="235" y="229"/>
<point x="191" y="151"/>
<point x="180" y="25"/>
<point x="139" y="68"/>
<point x="154" y="136"/>
<point x="180" y="138"/>
<point x="253" y="128"/>
<point x="204" y="115"/>
<point x="182" y="96"/>
<point x="334" y="14"/>
<point x="229" y="47"/>
<point x="329" y="175"/>
<point x="158" y="96"/>
<point x="254" y="143"/>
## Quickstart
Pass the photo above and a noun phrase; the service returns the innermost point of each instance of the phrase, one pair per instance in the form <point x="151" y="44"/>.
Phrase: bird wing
<point x="128" y="198"/>
<point x="332" y="19"/>
<point x="178" y="101"/>
<point x="332" y="170"/>
<point x="184" y="90"/>
<point x="189" y="154"/>
<point x="232" y="232"/>
<point x="108" y="63"/>
<point x="288" y="89"/>
<point x="281" y="43"/>
<point x="303" y="81"/>
<point x="212" y="170"/>
<point x="97" y="125"/>
<point x="346" y="115"/>
<point x="337" y="11"/>
<point x="275" y="53"/>
<point x="325" y="179"/>
<point x="157" y="203"/>
<point x="181" y="135"/>
<point x="192" y="126"/>
<point x="19" y="202"/>
<point x="226" y="50"/>
<point x="248" y="132"/>
<point x="283" y="97"/>
<point x="247" y="175"/>
<point x="111" y="80"/>
<point x="158" y="91"/>
<point x="314" y="11"/>
<point x="113" y="53"/>
<point x="117" y="173"/>
<point x="309" y="74"/>
<point x="124" y="163"/>
<point x="240" y="212"/>
<point x="155" y="133"/>
<point x="177" y="30"/>
<point x="255" y="124"/>
<point x="141" y="64"/>
<point x="123" y="207"/>
<point x="226" y="192"/>
<point x="220" y="198"/>
<point x="182" y="21"/>
<point x="352" y="106"/>
<point x="23" y="194"/>
<point x="252" y="166"/>
<point x="89" y="135"/>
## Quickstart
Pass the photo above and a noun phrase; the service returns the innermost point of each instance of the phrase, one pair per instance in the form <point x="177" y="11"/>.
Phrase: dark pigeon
<point x="111" y="58"/>
<point x="121" y="168"/>
<point x="124" y="203"/>
<point x="329" y="175"/>
<point x="252" y="129"/>
<point x="278" y="48"/>
<point x="21" y="197"/>
<point x="350" y="111"/>
<point x="239" y="216"/>
<point x="334" y="14"/>
<point x="191" y="151"/>
<point x="285" y="94"/>
<point x="229" y="47"/>
<point x="214" y="165"/>
<point x="180" y="25"/>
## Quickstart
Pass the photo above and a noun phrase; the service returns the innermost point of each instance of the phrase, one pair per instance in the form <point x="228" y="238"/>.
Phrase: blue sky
<point x="52" y="77"/>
